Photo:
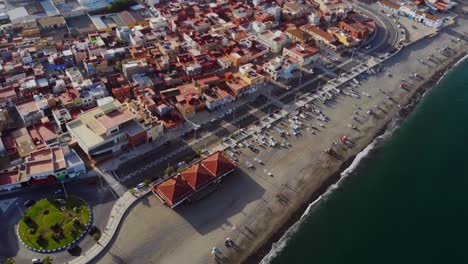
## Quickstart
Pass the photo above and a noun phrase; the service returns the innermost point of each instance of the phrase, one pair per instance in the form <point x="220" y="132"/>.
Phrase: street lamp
<point x="234" y="115"/>
<point x="65" y="190"/>
<point x="19" y="208"/>
<point x="268" y="103"/>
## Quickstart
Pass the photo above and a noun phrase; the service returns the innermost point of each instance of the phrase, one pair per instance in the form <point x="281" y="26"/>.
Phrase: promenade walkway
<point x="117" y="214"/>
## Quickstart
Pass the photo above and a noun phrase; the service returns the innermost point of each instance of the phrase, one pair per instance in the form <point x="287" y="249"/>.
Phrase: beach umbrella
<point x="214" y="250"/>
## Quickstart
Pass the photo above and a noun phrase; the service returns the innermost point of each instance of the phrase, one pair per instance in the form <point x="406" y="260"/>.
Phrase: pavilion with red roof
<point x="193" y="179"/>
<point x="173" y="191"/>
<point x="197" y="176"/>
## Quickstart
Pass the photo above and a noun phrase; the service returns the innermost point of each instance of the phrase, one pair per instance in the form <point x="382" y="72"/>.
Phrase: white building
<point x="109" y="127"/>
<point x="29" y="112"/>
<point x="74" y="74"/>
<point x="314" y="18"/>
<point x="302" y="53"/>
<point x="280" y="68"/>
<point x="275" y="40"/>
<point x="90" y="93"/>
<point x="19" y="15"/>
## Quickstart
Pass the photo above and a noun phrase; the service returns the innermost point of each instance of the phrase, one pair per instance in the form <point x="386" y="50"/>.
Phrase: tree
<point x="9" y="261"/>
<point x="169" y="171"/>
<point x="118" y="65"/>
<point x="96" y="237"/>
<point x="147" y="182"/>
<point x="120" y="5"/>
<point x="47" y="260"/>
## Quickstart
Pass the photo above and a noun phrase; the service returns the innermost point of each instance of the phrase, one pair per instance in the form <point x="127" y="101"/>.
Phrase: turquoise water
<point x="408" y="202"/>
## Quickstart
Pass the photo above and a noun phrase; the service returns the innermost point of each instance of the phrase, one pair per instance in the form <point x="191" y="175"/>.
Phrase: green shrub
<point x="96" y="237"/>
<point x="93" y="230"/>
<point x="147" y="182"/>
<point x="76" y="210"/>
<point x="169" y="171"/>
<point x="31" y="231"/>
<point x="74" y="233"/>
<point x="120" y="5"/>
<point x="47" y="260"/>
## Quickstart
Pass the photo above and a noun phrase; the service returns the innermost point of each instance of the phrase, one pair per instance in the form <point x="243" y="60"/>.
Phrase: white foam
<point x="453" y="67"/>
<point x="393" y="125"/>
<point x="281" y="244"/>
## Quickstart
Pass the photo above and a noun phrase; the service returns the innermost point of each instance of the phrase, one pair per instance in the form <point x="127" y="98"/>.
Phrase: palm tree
<point x="47" y="260"/>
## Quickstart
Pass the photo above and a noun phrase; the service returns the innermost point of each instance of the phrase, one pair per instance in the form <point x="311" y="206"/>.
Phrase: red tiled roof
<point x="197" y="176"/>
<point x="173" y="190"/>
<point x="218" y="164"/>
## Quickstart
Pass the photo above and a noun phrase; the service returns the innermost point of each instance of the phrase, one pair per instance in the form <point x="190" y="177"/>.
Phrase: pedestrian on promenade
<point x="228" y="242"/>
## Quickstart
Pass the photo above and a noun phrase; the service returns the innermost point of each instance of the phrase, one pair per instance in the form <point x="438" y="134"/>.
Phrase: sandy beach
<point x="245" y="208"/>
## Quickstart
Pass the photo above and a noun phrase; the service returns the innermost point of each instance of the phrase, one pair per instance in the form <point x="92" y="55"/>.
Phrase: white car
<point x="259" y="161"/>
<point x="368" y="47"/>
<point x="267" y="172"/>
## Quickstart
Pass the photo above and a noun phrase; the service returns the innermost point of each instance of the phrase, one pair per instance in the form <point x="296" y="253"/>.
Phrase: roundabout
<point x="54" y="224"/>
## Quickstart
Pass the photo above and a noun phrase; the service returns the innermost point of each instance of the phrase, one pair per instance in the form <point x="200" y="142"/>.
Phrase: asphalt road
<point x="88" y="189"/>
<point x="387" y="32"/>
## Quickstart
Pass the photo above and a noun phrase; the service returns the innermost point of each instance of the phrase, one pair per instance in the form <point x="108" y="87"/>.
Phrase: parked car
<point x="29" y="203"/>
<point x="36" y="261"/>
<point x="368" y="47"/>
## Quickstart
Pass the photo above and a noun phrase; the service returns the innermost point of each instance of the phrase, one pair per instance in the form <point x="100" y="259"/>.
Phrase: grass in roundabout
<point x="52" y="223"/>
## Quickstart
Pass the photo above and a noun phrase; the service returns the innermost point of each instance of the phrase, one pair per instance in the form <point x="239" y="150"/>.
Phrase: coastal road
<point x="387" y="32"/>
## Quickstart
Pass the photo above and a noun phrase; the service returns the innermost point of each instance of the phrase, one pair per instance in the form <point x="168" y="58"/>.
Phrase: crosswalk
<point x="114" y="184"/>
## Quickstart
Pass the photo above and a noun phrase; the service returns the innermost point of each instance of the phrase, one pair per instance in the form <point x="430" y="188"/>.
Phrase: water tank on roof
<point x="167" y="46"/>
<point x="37" y="98"/>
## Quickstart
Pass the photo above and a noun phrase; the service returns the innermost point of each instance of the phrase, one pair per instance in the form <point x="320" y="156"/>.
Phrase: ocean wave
<point x="451" y="68"/>
<point x="377" y="142"/>
<point x="392" y="126"/>
<point x="281" y="244"/>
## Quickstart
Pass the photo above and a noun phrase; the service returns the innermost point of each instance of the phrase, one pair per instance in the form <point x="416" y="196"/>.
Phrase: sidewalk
<point x="117" y="214"/>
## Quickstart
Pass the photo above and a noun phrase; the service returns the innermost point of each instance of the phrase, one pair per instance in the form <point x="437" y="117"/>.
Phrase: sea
<point x="404" y="199"/>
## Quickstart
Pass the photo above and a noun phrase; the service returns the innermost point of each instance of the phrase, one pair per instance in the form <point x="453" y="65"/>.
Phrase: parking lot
<point x="254" y="153"/>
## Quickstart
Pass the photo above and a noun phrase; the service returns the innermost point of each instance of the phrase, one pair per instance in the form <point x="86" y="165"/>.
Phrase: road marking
<point x="7" y="203"/>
